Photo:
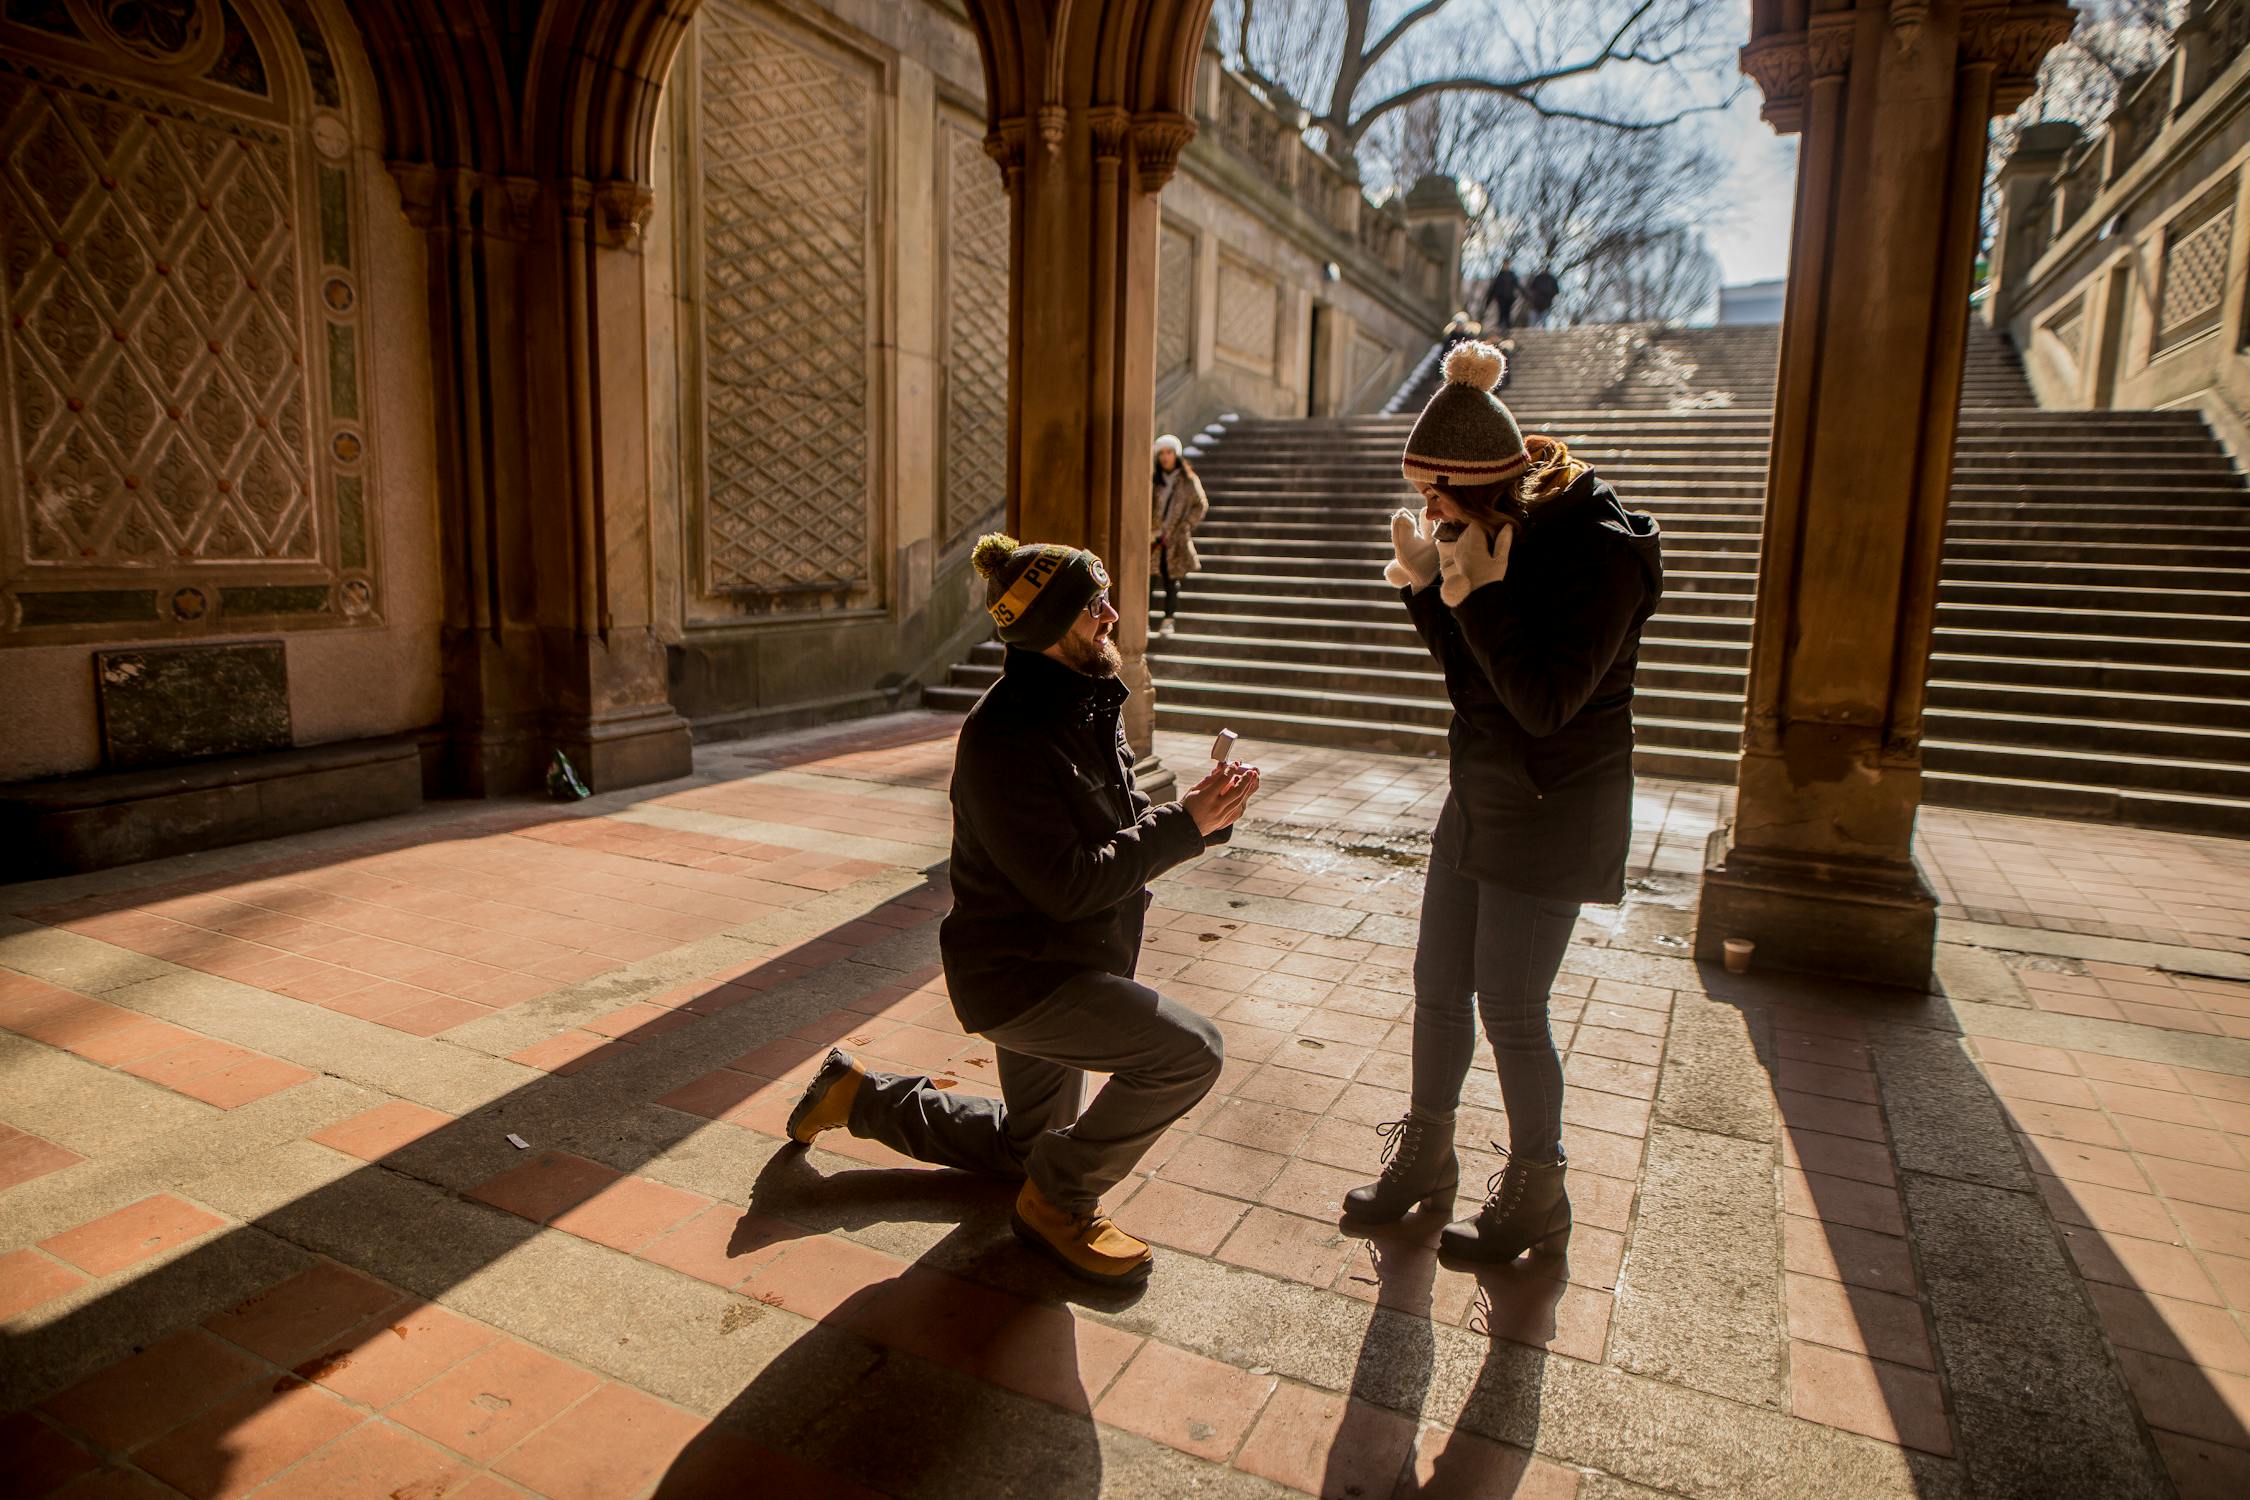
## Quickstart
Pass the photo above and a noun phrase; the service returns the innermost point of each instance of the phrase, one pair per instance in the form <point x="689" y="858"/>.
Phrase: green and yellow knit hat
<point x="1035" y="590"/>
<point x="1465" y="435"/>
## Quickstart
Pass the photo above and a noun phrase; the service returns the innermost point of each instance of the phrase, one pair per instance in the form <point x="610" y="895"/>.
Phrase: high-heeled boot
<point x="1419" y="1168"/>
<point x="1527" y="1210"/>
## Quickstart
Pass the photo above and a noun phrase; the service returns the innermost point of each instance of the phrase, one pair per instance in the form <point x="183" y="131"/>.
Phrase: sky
<point x="1752" y="238"/>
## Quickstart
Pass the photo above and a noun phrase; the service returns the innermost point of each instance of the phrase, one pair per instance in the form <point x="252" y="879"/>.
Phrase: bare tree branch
<point x="1528" y="96"/>
<point x="1352" y="128"/>
<point x="1391" y="38"/>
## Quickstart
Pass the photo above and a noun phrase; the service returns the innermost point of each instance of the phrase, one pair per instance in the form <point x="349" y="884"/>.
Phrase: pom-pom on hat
<point x="1465" y="435"/>
<point x="1035" y="590"/>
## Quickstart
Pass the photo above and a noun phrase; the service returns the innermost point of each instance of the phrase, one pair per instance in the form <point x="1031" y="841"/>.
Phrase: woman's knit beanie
<point x="1465" y="435"/>
<point x="1035" y="590"/>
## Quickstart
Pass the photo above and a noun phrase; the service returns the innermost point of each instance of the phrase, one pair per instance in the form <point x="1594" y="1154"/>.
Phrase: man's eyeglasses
<point x="1098" y="603"/>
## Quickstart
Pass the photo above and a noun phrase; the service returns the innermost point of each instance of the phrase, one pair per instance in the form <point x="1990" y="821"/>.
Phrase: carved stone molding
<point x="2013" y="40"/>
<point x="1907" y="20"/>
<point x="1111" y="126"/>
<point x="418" y="196"/>
<point x="1054" y="123"/>
<point x="575" y="195"/>
<point x="1158" y="140"/>
<point x="1006" y="146"/>
<point x="1828" y="44"/>
<point x="622" y="212"/>
<point x="512" y="207"/>
<point x="1782" y="69"/>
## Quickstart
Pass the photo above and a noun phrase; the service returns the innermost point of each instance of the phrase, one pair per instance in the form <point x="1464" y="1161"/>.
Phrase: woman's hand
<point x="1219" y="798"/>
<point x="1415" y="565"/>
<point x="1477" y="557"/>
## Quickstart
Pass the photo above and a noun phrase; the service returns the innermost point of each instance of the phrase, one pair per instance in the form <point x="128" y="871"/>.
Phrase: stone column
<point x="2029" y="173"/>
<point x="541" y="352"/>
<point x="1893" y="101"/>
<point x="1089" y="112"/>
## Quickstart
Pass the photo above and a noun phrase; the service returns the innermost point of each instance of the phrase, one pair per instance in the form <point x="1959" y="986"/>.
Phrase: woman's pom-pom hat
<point x="1034" y="591"/>
<point x="1465" y="435"/>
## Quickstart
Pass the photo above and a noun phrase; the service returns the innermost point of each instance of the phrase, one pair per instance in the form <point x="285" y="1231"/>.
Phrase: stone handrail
<point x="2212" y="36"/>
<point x="1270" y="137"/>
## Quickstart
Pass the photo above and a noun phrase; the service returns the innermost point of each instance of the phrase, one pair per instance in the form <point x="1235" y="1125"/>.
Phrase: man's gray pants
<point x="1162" y="1059"/>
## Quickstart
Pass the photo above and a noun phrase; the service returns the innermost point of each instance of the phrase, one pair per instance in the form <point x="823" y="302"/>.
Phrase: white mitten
<point x="1476" y="558"/>
<point x="1416" y="565"/>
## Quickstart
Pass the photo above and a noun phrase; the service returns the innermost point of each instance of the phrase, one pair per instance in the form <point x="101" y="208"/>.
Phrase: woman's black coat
<point x="1540" y="670"/>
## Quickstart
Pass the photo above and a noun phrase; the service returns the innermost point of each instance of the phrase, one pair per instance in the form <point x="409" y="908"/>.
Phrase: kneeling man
<point x="1053" y="850"/>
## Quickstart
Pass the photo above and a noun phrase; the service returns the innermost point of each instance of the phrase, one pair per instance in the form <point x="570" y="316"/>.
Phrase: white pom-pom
<point x="1475" y="363"/>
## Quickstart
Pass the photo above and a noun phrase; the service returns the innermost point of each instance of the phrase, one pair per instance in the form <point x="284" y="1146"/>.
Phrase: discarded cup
<point x="1738" y="955"/>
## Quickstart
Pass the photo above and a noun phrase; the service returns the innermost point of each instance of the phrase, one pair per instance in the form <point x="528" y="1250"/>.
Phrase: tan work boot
<point x="827" y="1104"/>
<point x="1087" y="1245"/>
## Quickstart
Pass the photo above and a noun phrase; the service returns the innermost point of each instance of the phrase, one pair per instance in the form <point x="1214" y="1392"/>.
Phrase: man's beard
<point x="1095" y="658"/>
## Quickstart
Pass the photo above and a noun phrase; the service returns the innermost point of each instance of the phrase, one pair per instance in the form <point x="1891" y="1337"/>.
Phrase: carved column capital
<point x="1782" y="69"/>
<point x="514" y="206"/>
<point x="1111" y="125"/>
<point x="1054" y="124"/>
<point x="1908" y="17"/>
<point x="1787" y="65"/>
<point x="575" y="196"/>
<point x="623" y="210"/>
<point x="418" y="195"/>
<point x="1158" y="140"/>
<point x="1006" y="144"/>
<point x="2013" y="40"/>
<point x="1828" y="44"/>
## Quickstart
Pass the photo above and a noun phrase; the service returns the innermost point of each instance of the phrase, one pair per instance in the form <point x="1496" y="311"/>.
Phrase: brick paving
<point x="266" y="1227"/>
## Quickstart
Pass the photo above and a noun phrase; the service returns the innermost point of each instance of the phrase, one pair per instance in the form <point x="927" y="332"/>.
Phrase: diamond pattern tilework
<point x="149" y="260"/>
<point x="1374" y="365"/>
<point x="786" y="135"/>
<point x="1249" y="315"/>
<point x="976" y="313"/>
<point x="2195" y="276"/>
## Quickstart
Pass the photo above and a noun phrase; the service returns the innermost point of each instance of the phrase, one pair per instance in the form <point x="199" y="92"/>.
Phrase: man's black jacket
<point x="1053" y="843"/>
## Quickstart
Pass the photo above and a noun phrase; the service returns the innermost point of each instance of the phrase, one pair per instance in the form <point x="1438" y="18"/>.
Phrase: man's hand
<point x="1219" y="798"/>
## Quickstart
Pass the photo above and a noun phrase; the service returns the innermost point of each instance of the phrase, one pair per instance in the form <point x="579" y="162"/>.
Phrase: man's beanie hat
<point x="1035" y="590"/>
<point x="1465" y="435"/>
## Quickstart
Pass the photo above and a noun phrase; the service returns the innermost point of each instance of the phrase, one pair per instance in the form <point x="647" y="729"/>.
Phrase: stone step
<point x="1713" y="698"/>
<point x="2221" y="611"/>
<point x="2125" y="756"/>
<point x="1593" y="422"/>
<point x="2014" y="712"/>
<point x="1730" y="538"/>
<point x="2059" y="450"/>
<point x="2091" y="655"/>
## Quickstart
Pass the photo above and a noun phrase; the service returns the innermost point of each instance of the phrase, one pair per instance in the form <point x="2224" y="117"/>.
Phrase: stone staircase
<point x="2092" y="656"/>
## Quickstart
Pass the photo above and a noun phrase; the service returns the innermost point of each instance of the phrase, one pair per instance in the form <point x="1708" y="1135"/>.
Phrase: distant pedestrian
<point x="1501" y="296"/>
<point x="1054" y="846"/>
<point x="1179" y="506"/>
<point x="1530" y="583"/>
<point x="1539" y="296"/>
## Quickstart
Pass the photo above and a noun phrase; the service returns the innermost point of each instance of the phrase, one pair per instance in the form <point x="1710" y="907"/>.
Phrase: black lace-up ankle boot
<point x="1527" y="1210"/>
<point x="1419" y="1168"/>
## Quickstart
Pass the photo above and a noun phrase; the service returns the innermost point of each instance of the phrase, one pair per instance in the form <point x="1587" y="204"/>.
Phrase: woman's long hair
<point x="1510" y="502"/>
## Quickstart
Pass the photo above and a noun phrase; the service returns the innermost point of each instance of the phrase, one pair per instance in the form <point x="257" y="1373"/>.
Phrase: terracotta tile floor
<point x="466" y="1173"/>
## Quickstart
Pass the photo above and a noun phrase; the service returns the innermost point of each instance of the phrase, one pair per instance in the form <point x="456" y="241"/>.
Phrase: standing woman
<point x="1179" y="508"/>
<point x="1530" y="583"/>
